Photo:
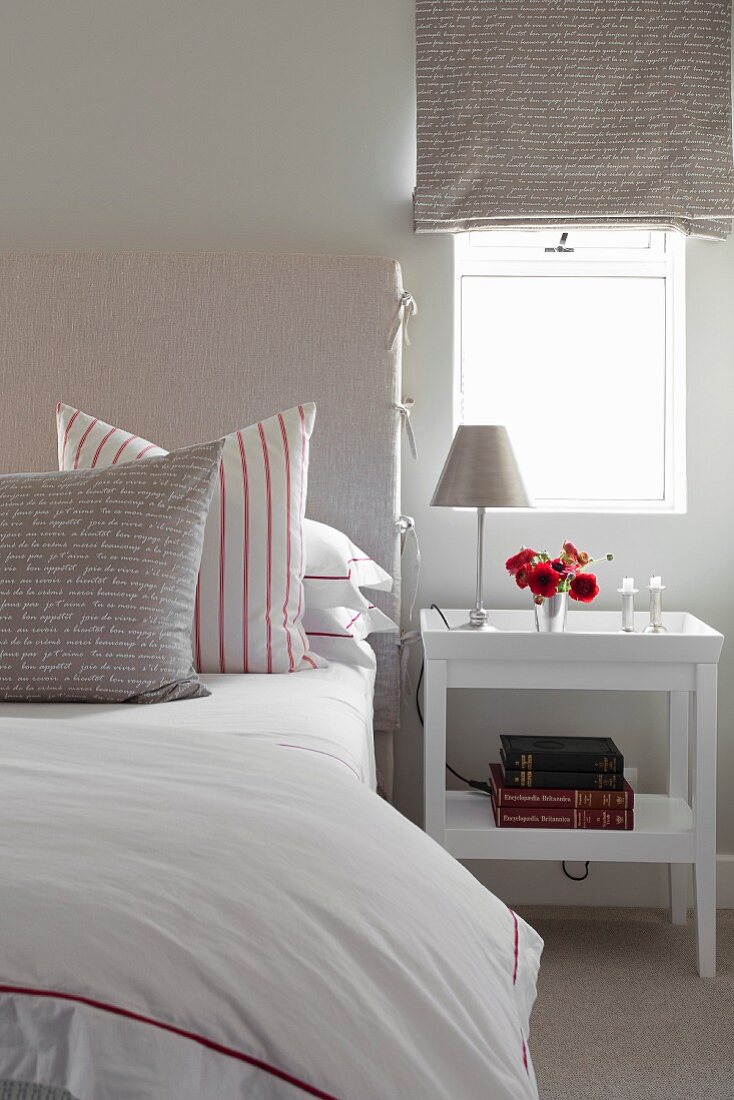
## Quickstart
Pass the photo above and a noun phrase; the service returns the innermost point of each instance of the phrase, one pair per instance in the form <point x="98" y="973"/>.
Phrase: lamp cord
<point x="576" y="878"/>
<point x="475" y="784"/>
<point x="435" y="607"/>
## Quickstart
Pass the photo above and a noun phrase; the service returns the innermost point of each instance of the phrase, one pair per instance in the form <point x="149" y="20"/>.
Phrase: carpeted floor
<point x="621" y="1013"/>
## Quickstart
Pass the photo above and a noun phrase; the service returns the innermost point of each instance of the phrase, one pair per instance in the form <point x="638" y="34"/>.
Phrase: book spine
<point x="550" y="799"/>
<point x="564" y="762"/>
<point x="617" y="820"/>
<point x="575" y="780"/>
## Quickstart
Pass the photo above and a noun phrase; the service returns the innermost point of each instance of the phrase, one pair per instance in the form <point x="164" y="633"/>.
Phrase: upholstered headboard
<point x="183" y="347"/>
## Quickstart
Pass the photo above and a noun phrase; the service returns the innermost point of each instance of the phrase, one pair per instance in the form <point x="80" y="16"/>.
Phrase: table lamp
<point x="480" y="472"/>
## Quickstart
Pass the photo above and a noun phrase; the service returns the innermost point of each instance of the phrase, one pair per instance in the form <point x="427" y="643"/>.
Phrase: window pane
<point x="575" y="367"/>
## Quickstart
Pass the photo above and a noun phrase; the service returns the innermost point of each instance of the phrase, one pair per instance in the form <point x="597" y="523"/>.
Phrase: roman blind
<point x="574" y="113"/>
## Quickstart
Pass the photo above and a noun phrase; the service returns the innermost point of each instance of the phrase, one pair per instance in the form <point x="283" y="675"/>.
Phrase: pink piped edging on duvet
<point x="210" y="1044"/>
<point x="516" y="959"/>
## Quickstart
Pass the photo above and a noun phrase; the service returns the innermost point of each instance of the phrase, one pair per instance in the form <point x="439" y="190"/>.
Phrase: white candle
<point x="655" y="582"/>
<point x="628" y="584"/>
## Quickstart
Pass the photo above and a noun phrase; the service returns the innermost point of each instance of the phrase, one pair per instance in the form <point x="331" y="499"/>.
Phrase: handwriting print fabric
<point x="249" y="601"/>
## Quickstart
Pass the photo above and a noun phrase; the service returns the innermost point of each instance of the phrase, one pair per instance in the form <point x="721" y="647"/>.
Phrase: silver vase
<point x="550" y="615"/>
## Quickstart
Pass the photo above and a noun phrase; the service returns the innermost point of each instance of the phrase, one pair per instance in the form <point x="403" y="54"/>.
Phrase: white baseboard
<point x="609" y="884"/>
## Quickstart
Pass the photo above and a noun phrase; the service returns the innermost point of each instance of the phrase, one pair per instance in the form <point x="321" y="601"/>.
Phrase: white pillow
<point x="250" y="596"/>
<point x="339" y="633"/>
<point x="336" y="569"/>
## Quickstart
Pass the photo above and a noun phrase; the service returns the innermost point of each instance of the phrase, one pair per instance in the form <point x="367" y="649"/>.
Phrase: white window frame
<point x="664" y="256"/>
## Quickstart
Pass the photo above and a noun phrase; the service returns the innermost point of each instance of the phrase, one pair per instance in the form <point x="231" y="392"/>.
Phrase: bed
<point x="208" y="898"/>
<point x="330" y="713"/>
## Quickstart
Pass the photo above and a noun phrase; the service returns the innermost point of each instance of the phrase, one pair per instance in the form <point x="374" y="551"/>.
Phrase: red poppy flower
<point x="580" y="557"/>
<point x="570" y="551"/>
<point x="543" y="581"/>
<point x="524" y="557"/>
<point x="523" y="575"/>
<point x="584" y="587"/>
<point x="564" y="568"/>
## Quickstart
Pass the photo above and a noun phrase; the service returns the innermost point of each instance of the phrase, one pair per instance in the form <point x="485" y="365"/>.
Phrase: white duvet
<point x="189" y="914"/>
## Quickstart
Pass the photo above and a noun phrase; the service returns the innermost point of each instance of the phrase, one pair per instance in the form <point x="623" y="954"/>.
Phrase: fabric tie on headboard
<point x="409" y="535"/>
<point x="405" y="407"/>
<point x="408" y="308"/>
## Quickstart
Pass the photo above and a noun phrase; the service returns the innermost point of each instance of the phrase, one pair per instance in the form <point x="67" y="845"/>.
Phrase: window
<point x="576" y="342"/>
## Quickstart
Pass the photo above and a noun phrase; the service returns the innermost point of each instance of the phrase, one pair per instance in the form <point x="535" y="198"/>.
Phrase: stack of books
<point x="561" y="783"/>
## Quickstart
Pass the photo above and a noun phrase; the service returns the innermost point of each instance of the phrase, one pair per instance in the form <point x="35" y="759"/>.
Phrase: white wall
<point x="289" y="125"/>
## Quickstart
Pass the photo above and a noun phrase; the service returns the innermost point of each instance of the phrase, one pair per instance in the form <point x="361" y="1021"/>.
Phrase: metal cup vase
<point x="550" y="615"/>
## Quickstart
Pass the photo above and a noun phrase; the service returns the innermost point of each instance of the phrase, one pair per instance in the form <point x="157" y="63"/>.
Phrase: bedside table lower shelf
<point x="663" y="833"/>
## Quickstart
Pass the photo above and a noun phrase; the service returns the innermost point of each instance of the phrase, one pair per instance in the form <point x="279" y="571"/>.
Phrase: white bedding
<point x="328" y="710"/>
<point x="190" y="913"/>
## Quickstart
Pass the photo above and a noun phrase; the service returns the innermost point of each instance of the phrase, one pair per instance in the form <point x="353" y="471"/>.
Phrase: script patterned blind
<point x="574" y="113"/>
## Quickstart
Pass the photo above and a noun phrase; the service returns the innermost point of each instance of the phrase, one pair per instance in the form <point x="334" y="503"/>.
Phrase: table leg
<point x="678" y="873"/>
<point x="704" y="818"/>
<point x="434" y="750"/>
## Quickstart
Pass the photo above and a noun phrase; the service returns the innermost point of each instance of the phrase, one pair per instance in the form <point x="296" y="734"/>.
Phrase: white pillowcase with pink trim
<point x="336" y="569"/>
<point x="250" y="597"/>
<point x="340" y="633"/>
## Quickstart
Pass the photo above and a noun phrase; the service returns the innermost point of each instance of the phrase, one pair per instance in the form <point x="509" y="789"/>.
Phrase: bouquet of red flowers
<point x="546" y="576"/>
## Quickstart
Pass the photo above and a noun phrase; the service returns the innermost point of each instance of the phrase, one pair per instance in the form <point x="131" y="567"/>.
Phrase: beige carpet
<point x="621" y="1013"/>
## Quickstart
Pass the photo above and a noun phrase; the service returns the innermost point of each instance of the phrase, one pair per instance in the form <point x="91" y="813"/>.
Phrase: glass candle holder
<point x="628" y="609"/>
<point x="655" y="626"/>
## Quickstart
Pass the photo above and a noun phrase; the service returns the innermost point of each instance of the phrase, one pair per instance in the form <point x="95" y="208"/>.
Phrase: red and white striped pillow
<point x="249" y="602"/>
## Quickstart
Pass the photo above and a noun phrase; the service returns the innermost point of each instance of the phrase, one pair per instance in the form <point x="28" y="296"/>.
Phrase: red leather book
<point x="536" y="817"/>
<point x="557" y="798"/>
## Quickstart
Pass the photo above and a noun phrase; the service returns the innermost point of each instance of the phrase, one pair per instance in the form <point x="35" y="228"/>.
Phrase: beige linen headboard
<point x="185" y="347"/>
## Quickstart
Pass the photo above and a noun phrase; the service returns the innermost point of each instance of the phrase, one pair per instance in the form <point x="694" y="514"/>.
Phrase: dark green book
<point x="579" y="781"/>
<point x="561" y="754"/>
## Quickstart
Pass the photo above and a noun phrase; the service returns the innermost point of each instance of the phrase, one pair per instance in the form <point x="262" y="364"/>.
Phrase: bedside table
<point x="591" y="655"/>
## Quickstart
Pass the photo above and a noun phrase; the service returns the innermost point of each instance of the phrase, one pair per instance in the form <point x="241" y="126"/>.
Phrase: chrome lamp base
<point x="478" y="620"/>
<point x="479" y="616"/>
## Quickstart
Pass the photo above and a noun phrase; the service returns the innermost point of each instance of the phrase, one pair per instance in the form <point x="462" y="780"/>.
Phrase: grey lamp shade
<point x="481" y="471"/>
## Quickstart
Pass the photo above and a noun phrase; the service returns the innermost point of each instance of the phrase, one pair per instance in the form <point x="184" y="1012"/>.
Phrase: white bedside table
<point x="591" y="655"/>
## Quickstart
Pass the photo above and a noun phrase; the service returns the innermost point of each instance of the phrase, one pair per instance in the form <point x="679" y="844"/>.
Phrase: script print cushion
<point x="98" y="576"/>
<point x="249" y="603"/>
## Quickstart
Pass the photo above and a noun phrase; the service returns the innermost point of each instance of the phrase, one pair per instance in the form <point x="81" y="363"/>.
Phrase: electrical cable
<point x="476" y="784"/>
<point x="576" y="878"/>
<point x="435" y="607"/>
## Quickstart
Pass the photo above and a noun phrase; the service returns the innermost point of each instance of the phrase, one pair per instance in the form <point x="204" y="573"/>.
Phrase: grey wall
<point x="249" y="124"/>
